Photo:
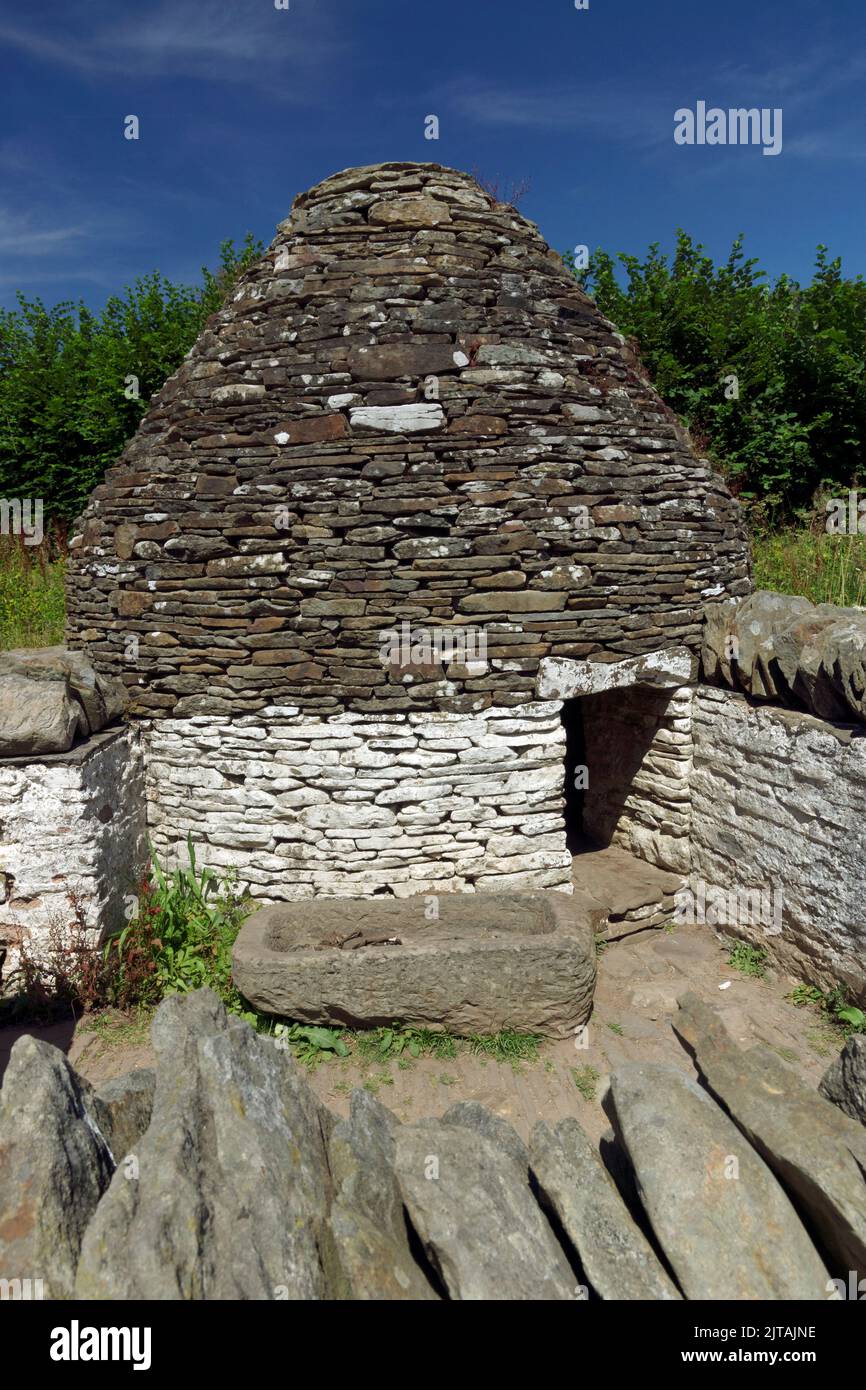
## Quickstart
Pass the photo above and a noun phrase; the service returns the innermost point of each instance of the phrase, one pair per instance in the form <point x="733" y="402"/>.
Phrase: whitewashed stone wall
<point x="779" y="804"/>
<point x="638" y="751"/>
<point x="70" y="821"/>
<point x="360" y="804"/>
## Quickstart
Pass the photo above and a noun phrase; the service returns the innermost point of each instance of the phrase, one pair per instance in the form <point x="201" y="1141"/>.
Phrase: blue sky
<point x="241" y="106"/>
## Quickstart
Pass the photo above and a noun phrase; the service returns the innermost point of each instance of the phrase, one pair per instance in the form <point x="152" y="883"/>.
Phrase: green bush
<point x="180" y="938"/>
<point x="799" y="424"/>
<point x="65" y="411"/>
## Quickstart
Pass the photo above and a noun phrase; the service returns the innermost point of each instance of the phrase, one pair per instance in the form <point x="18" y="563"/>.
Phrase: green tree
<point x="65" y="411"/>
<point x="795" y="426"/>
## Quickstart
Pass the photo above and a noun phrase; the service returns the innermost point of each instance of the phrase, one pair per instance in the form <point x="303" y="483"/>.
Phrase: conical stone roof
<point x="408" y="413"/>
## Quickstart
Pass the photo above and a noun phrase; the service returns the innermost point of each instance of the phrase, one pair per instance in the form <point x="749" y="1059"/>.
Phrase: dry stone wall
<point x="409" y="411"/>
<point x="778" y="803"/>
<point x="350" y="805"/>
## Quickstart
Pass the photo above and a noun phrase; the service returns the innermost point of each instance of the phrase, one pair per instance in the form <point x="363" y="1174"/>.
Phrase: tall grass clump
<point x="824" y="568"/>
<point x="31" y="592"/>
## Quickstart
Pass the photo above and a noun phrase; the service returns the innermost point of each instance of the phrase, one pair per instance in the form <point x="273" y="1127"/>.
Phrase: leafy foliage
<point x="65" y="411"/>
<point x="180" y="938"/>
<point x="308" y="1043"/>
<point x="799" y="423"/>
<point x="833" y="1005"/>
<point x="749" y="960"/>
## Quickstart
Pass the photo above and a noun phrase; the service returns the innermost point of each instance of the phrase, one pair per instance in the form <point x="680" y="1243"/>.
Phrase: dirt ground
<point x="639" y="980"/>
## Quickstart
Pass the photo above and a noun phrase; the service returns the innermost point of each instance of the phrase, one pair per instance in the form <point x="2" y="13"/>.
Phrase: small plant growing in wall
<point x="66" y="974"/>
<point x="180" y="937"/>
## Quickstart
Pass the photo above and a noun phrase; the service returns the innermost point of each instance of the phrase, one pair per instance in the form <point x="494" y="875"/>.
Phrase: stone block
<point x="484" y="963"/>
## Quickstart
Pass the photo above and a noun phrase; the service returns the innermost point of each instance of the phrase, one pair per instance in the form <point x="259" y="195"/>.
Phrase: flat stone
<point x="561" y="678"/>
<point x="509" y="601"/>
<point x="473" y="1210"/>
<point x="389" y="361"/>
<point x="617" y="1258"/>
<point x="410" y="212"/>
<point x="817" y="1152"/>
<point x="315" y="430"/>
<point x="723" y="1222"/>
<point x="487" y="962"/>
<point x="415" y="418"/>
<point x="844" y="1083"/>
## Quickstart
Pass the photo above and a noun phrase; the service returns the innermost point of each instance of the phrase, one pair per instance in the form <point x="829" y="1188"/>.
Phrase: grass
<point x="586" y="1080"/>
<point x="826" y="569"/>
<point x="313" y="1045"/>
<point x="749" y="960"/>
<point x="31" y="593"/>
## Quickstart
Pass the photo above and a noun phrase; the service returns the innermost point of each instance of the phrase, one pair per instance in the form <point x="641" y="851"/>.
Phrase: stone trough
<point x="488" y="962"/>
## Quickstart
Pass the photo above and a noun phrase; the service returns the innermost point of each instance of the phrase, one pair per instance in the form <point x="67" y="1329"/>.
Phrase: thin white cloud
<point x="21" y="236"/>
<point x="644" y="119"/>
<point x="225" y="40"/>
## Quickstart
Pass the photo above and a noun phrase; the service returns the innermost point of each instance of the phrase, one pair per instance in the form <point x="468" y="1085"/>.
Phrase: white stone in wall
<point x="564" y="678"/>
<point x="71" y="823"/>
<point x="374" y="803"/>
<point x="398" y="419"/>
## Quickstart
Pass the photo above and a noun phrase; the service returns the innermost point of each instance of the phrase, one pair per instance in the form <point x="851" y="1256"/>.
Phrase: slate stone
<point x="230" y="1193"/>
<point x="54" y="1167"/>
<point x="123" y="1108"/>
<point x="473" y="1210"/>
<point x="471" y="1115"/>
<point x="817" y="1152"/>
<point x="782" y="647"/>
<point x="844" y="1082"/>
<point x="726" y="1227"/>
<point x="614" y="1253"/>
<point x="368" y="1247"/>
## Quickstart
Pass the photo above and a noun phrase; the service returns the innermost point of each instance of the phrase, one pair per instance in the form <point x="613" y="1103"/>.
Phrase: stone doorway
<point x="628" y="760"/>
<point x="626" y="792"/>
